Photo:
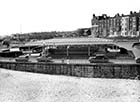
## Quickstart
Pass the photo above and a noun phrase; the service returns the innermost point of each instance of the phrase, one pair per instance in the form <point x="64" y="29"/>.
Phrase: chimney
<point x="93" y="15"/>
<point x="117" y="15"/>
<point x="131" y="12"/>
<point x="135" y="12"/>
<point x="122" y="15"/>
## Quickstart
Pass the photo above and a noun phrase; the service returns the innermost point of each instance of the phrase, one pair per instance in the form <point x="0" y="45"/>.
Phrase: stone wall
<point x="129" y="71"/>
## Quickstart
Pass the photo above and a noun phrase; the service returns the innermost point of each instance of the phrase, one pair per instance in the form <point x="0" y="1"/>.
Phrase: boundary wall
<point x="124" y="71"/>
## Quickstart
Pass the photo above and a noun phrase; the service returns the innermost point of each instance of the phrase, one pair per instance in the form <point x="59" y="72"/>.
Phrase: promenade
<point x="76" y="61"/>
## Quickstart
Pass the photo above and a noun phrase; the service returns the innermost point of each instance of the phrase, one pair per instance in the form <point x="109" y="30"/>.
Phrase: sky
<point x="24" y="16"/>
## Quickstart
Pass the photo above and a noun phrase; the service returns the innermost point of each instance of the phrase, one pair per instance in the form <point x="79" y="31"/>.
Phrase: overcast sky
<point x="57" y="15"/>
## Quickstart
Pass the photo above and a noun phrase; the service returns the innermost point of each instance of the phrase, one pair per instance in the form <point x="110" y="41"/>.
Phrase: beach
<point x="16" y="86"/>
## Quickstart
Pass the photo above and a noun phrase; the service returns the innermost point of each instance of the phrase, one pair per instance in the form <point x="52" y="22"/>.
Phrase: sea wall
<point x="126" y="71"/>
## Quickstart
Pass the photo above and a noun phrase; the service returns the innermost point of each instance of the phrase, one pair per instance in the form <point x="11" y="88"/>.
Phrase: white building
<point x="125" y="26"/>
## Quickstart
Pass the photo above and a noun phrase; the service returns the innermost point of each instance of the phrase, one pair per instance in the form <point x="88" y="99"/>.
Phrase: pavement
<point x="76" y="61"/>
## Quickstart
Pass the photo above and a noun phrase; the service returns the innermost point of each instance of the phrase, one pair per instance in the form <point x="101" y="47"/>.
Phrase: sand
<point x="18" y="86"/>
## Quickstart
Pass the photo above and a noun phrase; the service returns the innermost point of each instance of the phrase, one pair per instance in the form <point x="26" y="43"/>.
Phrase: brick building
<point x="100" y="25"/>
<point x="119" y="25"/>
<point x="95" y="24"/>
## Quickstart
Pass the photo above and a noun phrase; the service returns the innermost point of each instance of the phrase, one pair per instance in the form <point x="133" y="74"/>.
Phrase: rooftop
<point x="71" y="41"/>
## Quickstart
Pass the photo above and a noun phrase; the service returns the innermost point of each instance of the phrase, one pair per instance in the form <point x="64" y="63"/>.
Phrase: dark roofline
<point x="118" y="15"/>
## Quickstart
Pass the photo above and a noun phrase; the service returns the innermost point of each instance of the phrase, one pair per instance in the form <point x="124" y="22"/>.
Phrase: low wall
<point x="126" y="71"/>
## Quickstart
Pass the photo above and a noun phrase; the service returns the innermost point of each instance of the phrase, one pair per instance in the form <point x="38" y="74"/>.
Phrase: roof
<point x="136" y="44"/>
<point x="72" y="41"/>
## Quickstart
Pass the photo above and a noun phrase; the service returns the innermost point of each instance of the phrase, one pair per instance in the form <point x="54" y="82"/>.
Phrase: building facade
<point x="94" y="28"/>
<point x="125" y="26"/>
<point x="119" y="25"/>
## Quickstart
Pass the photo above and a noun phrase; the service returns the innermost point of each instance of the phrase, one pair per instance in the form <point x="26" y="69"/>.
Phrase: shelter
<point x="71" y="41"/>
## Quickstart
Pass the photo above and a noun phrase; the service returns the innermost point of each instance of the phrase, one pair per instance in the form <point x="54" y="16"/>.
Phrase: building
<point x="94" y="28"/>
<point x="134" y="28"/>
<point x="125" y="26"/>
<point x="119" y="25"/>
<point x="100" y="25"/>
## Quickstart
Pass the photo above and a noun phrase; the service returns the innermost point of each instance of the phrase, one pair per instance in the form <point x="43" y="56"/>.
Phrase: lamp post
<point x="88" y="50"/>
<point x="43" y="51"/>
<point x="68" y="50"/>
<point x="68" y="61"/>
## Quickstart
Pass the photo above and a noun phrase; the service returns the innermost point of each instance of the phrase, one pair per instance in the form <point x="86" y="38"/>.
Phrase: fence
<point x="127" y="71"/>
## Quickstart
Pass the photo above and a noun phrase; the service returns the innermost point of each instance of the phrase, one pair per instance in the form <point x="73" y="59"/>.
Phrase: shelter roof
<point x="72" y="41"/>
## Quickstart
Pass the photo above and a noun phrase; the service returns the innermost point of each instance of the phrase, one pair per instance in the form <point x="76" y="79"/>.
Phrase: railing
<point x="127" y="71"/>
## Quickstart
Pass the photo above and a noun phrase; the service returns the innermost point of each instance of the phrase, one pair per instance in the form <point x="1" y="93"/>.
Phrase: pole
<point x="88" y="50"/>
<point x="68" y="51"/>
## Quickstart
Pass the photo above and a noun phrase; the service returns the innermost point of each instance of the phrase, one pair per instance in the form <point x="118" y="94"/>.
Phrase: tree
<point x="80" y="32"/>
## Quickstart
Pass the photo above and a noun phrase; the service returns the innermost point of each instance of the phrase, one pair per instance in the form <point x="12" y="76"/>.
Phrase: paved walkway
<point x="81" y="61"/>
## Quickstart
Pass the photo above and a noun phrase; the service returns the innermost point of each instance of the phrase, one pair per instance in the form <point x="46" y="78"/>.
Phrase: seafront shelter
<point x="72" y="41"/>
<point x="75" y="47"/>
